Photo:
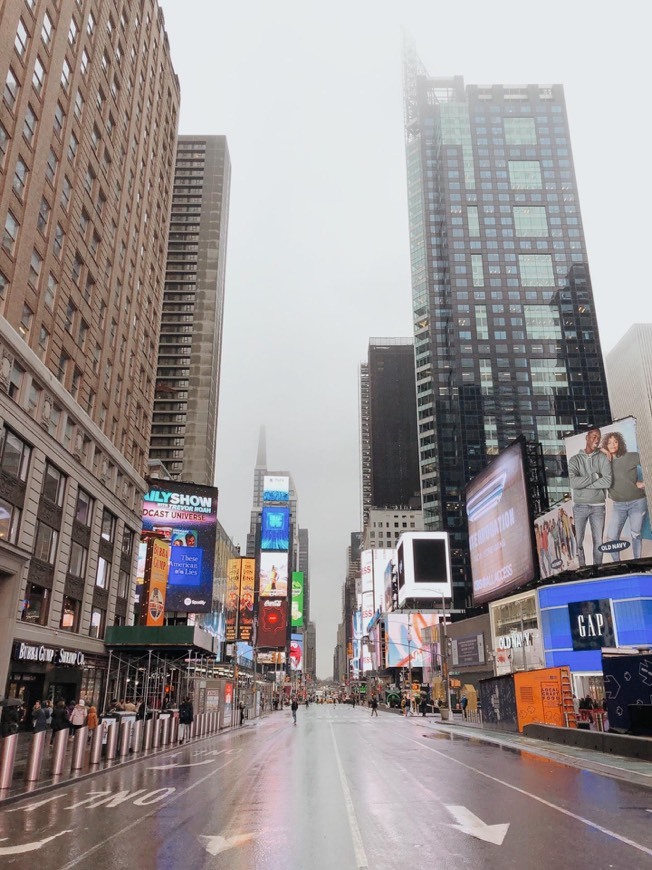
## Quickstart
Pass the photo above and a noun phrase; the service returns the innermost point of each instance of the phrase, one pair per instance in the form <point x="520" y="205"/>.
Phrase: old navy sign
<point x="27" y="652"/>
<point x="516" y="640"/>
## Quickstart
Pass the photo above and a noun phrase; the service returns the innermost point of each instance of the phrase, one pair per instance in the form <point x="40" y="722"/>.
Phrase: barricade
<point x="8" y="759"/>
<point x="79" y="747"/>
<point x="96" y="746"/>
<point x="165" y="732"/>
<point x="137" y="735"/>
<point x="125" y="738"/>
<point x="149" y="732"/>
<point x="33" y="769"/>
<point x="156" y="733"/>
<point x="111" y="741"/>
<point x="59" y="746"/>
<point x="174" y="731"/>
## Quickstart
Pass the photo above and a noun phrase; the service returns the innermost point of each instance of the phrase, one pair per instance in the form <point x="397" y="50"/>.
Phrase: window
<point x="542" y="322"/>
<point x="57" y="241"/>
<point x="35" y="264"/>
<point x="10" y="234"/>
<point x="43" y="216"/>
<point x="536" y="270"/>
<point x="84" y="508"/>
<point x="4" y="141"/>
<point x="98" y="617"/>
<point x="43" y="339"/>
<point x="59" y="119"/>
<point x="530" y="221"/>
<point x="35" y="605"/>
<point x="128" y="537"/>
<point x="525" y="175"/>
<point x="20" y="178"/>
<point x="72" y="33"/>
<point x="84" y="62"/>
<point x="478" y="270"/>
<point x="22" y="37"/>
<point x="9" y="521"/>
<point x="16" y="380"/>
<point x="79" y="105"/>
<point x="77" y="563"/>
<point x="71" y="310"/>
<point x="51" y="167"/>
<point x="70" y="614"/>
<point x="46" y="30"/>
<point x="53" y="422"/>
<point x="29" y="125"/>
<point x="103" y="573"/>
<point x="54" y="484"/>
<point x="108" y="526"/>
<point x="15" y="455"/>
<point x="65" y="75"/>
<point x="51" y="291"/>
<point x="123" y="584"/>
<point x="520" y="131"/>
<point x="474" y="223"/>
<point x="62" y="368"/>
<point x="73" y="144"/>
<point x="38" y="76"/>
<point x="45" y="543"/>
<point x="11" y="89"/>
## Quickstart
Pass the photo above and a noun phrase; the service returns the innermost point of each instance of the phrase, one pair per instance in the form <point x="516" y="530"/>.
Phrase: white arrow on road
<point x="215" y="845"/>
<point x="28" y="847"/>
<point x="470" y="824"/>
<point x="38" y="804"/>
<point x="177" y="766"/>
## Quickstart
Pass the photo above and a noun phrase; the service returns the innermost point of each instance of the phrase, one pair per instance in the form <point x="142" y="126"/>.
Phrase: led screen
<point x="296" y="652"/>
<point x="405" y="641"/>
<point x="423" y="565"/>
<point x="272" y="622"/>
<point x="275" y="529"/>
<point x="297" y="599"/>
<point x="273" y="575"/>
<point x="276" y="488"/>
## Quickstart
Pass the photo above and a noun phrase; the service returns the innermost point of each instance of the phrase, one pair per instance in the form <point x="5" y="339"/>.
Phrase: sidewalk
<point x="617" y="766"/>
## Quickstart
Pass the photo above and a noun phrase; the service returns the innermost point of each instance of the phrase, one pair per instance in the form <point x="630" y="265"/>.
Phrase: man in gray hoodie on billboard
<point x="590" y="477"/>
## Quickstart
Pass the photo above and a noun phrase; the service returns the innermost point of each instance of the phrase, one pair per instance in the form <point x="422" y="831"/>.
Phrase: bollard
<point x="156" y="733"/>
<point x="96" y="746"/>
<point x="33" y="770"/>
<point x="174" y="731"/>
<point x="59" y="746"/>
<point x="7" y="759"/>
<point x="137" y="736"/>
<point x="111" y="741"/>
<point x="78" y="748"/>
<point x="125" y="737"/>
<point x="165" y="732"/>
<point x="147" y="739"/>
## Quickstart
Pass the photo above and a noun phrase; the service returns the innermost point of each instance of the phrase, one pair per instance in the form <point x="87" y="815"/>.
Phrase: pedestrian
<point x="294" y="707"/>
<point x="464" y="703"/>
<point x="47" y="708"/>
<point x="353" y="701"/>
<point x="59" y="719"/>
<point x="374" y="706"/>
<point x="241" y="708"/>
<point x="78" y="715"/>
<point x="39" y="719"/>
<point x="186" y="716"/>
<point x="423" y="705"/>
<point x="10" y="721"/>
<point x="92" y="721"/>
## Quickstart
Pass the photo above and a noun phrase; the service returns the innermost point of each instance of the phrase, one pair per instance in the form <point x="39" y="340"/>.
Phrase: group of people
<point x="556" y="544"/>
<point x="46" y="715"/>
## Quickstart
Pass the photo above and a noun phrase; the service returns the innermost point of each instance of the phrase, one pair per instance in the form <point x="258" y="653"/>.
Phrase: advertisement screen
<point x="297" y="599"/>
<point x="272" y="622"/>
<point x="275" y="529"/>
<point x="158" y="562"/>
<point x="556" y="545"/>
<point x="186" y="516"/>
<point x="500" y="530"/>
<point x="273" y="575"/>
<point x="247" y="600"/>
<point x="276" y="488"/>
<point x="404" y="640"/>
<point x="296" y="652"/>
<point x="610" y="507"/>
<point x="381" y="559"/>
<point x="592" y="624"/>
<point x="423" y="562"/>
<point x="233" y="569"/>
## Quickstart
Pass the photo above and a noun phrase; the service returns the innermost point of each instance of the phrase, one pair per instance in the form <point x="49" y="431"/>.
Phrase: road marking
<point x="471" y="824"/>
<point x="29" y="847"/>
<point x="358" y="846"/>
<point x="535" y="797"/>
<point x="176" y="766"/>
<point x="215" y="845"/>
<point x="37" y="804"/>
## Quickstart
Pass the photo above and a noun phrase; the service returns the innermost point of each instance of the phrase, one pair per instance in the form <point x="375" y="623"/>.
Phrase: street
<point x="338" y="790"/>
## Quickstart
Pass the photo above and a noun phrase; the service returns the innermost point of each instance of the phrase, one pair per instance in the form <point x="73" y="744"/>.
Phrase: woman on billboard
<point x="627" y="493"/>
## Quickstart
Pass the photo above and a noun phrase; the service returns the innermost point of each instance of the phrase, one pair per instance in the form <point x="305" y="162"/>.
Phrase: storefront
<point x="516" y="635"/>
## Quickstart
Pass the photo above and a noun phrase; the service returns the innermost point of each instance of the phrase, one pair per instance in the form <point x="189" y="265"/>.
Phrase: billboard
<point x="272" y="622"/>
<point x="156" y="576"/>
<point x="556" y="544"/>
<point x="609" y="503"/>
<point x="275" y="528"/>
<point x="500" y="527"/>
<point x="405" y="641"/>
<point x="185" y="515"/>
<point x="592" y="624"/>
<point x="247" y="600"/>
<point x="296" y="652"/>
<point x="273" y="575"/>
<point x="424" y="566"/>
<point x="233" y="569"/>
<point x="276" y="488"/>
<point x="296" y="618"/>
<point x="389" y="577"/>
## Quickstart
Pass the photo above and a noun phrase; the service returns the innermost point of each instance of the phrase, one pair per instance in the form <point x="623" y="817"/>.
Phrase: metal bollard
<point x="33" y="770"/>
<point x="125" y="737"/>
<point x="147" y="739"/>
<point x="156" y="733"/>
<point x="96" y="746"/>
<point x="111" y="741"/>
<point x="79" y="747"/>
<point x="7" y="759"/>
<point x="59" y="746"/>
<point x="137" y="736"/>
<point x="165" y="732"/>
<point x="174" y="731"/>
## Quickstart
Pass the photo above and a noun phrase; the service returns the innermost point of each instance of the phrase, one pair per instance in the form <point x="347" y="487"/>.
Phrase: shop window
<point x="98" y="618"/>
<point x="54" y="484"/>
<point x="108" y="526"/>
<point x="84" y="508"/>
<point x="9" y="521"/>
<point x="35" y="605"/>
<point x="70" y="614"/>
<point x="15" y="455"/>
<point x="45" y="543"/>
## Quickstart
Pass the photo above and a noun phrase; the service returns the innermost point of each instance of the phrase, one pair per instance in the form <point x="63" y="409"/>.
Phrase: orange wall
<point x="539" y="697"/>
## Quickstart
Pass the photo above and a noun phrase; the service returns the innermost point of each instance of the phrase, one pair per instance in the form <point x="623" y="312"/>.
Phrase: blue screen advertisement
<point x="275" y="529"/>
<point x="185" y="515"/>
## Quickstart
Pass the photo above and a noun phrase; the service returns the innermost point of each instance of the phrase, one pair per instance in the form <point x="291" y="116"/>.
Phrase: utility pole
<point x="409" y="640"/>
<point x="444" y="654"/>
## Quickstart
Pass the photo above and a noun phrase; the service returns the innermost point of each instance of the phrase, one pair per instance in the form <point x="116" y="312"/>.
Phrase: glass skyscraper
<point x="506" y="337"/>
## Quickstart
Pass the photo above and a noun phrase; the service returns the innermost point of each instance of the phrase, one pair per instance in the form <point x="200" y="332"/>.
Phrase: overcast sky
<point x="309" y="97"/>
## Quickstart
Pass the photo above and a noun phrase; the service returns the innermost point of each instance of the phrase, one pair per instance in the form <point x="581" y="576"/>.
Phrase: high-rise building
<point x="388" y="427"/>
<point x="506" y="336"/>
<point x="184" y="424"/>
<point x="260" y="472"/>
<point x="88" y="124"/>
<point x="629" y="375"/>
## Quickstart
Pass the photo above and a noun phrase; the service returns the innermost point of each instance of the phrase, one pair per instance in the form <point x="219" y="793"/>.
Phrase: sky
<point x="309" y="96"/>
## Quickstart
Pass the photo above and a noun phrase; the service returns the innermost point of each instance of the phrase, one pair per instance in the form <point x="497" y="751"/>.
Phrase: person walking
<point x="59" y="719"/>
<point x="374" y="706"/>
<point x="78" y="715"/>
<point x="294" y="707"/>
<point x="92" y="721"/>
<point x="464" y="703"/>
<point x="39" y="719"/>
<point x="186" y="715"/>
<point x="423" y="705"/>
<point x="241" y="708"/>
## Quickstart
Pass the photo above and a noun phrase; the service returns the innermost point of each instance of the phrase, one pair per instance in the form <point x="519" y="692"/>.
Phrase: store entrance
<point x="63" y="692"/>
<point x="27" y="687"/>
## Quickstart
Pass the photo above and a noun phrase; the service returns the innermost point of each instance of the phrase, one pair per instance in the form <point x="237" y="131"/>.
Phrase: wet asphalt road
<point x="338" y="790"/>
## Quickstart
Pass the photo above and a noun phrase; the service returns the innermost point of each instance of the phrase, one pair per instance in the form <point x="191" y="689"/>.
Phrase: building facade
<point x="184" y="425"/>
<point x="88" y="124"/>
<point x="388" y="427"/>
<point x="506" y="336"/>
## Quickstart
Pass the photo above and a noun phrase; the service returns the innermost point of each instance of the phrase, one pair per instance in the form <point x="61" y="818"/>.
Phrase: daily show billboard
<point x="610" y="507"/>
<point x="276" y="488"/>
<point x="273" y="575"/>
<point x="275" y="528"/>
<point x="500" y="529"/>
<point x="185" y="515"/>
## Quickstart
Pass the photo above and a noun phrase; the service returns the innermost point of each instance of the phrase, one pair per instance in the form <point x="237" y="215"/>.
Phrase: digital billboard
<point x="296" y="615"/>
<point x="247" y="600"/>
<point x="272" y="622"/>
<point x="156" y="575"/>
<point x="275" y="528"/>
<point x="276" y="488"/>
<point x="423" y="565"/>
<point x="185" y="515"/>
<point x="404" y="639"/>
<point x="296" y="652"/>
<point x="233" y="569"/>
<point x="500" y="527"/>
<point x="273" y="575"/>
<point x="610" y="506"/>
<point x="556" y="545"/>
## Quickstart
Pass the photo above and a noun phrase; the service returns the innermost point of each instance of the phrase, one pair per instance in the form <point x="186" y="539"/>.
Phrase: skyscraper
<point x="506" y="336"/>
<point x="88" y="125"/>
<point x="388" y="427"/>
<point x="184" y="424"/>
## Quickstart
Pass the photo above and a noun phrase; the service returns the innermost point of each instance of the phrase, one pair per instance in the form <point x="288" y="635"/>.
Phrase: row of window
<point x="35" y="609"/>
